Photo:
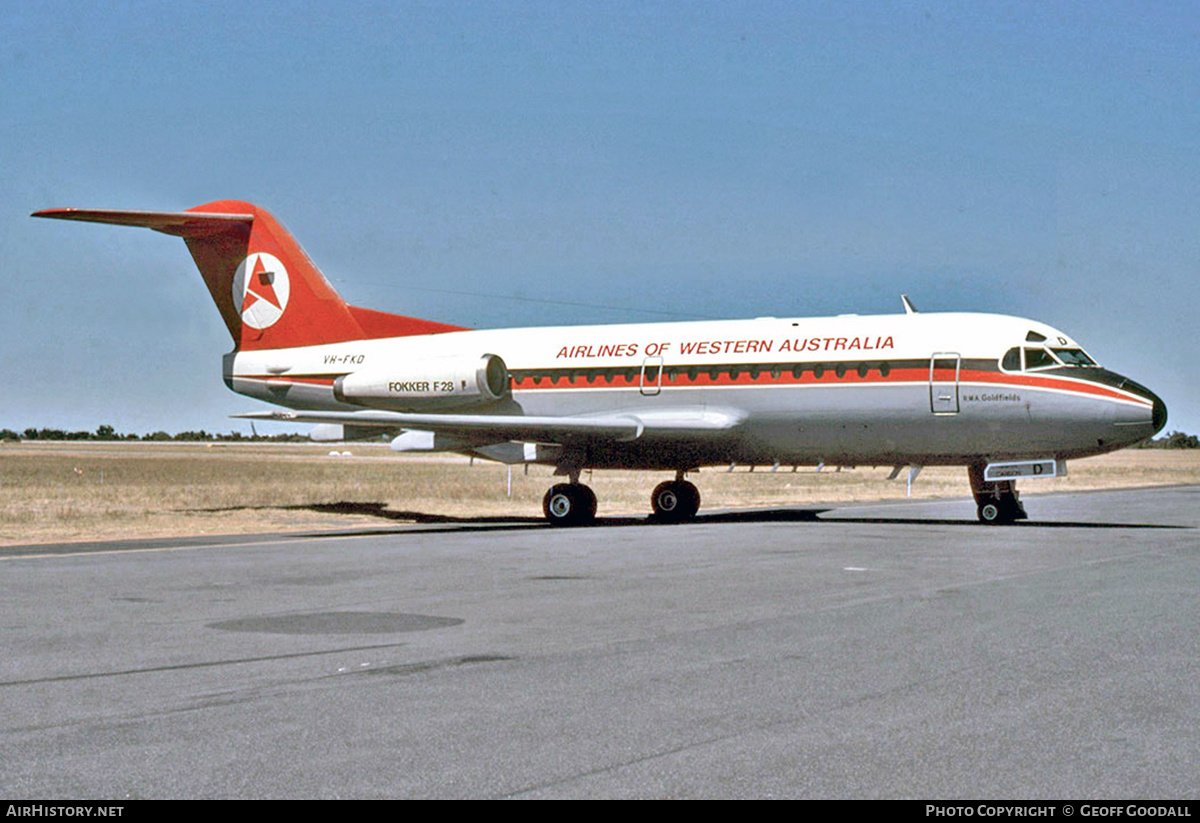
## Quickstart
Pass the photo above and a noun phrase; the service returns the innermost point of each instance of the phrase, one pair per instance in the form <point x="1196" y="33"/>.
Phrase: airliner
<point x="1002" y="396"/>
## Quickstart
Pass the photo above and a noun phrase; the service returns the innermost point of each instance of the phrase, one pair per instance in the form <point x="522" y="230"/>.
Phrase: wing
<point x="484" y="429"/>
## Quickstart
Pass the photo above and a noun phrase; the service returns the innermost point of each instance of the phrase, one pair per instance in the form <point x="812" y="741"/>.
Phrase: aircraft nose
<point x="1158" y="410"/>
<point x="1133" y="420"/>
<point x="1158" y="417"/>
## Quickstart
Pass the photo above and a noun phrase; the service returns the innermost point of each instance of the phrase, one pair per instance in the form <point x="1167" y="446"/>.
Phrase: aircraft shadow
<point x="434" y="523"/>
<point x="782" y="515"/>
<point x="380" y="510"/>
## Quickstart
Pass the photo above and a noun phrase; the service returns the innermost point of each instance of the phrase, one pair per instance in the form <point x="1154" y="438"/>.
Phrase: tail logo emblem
<point x="261" y="288"/>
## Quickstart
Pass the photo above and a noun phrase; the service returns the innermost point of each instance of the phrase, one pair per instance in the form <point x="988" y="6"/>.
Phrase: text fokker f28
<point x="1003" y="396"/>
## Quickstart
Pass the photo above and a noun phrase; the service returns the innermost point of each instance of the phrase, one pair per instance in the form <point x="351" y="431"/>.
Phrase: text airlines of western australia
<point x="720" y="347"/>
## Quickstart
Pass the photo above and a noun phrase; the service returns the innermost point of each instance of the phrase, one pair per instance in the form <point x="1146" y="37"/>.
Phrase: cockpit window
<point x="1034" y="337"/>
<point x="1073" y="357"/>
<point x="1041" y="358"/>
<point x="1038" y="359"/>
<point x="1012" y="360"/>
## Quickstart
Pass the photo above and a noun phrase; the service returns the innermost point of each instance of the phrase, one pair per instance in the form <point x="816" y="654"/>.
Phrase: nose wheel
<point x="1003" y="511"/>
<point x="675" y="501"/>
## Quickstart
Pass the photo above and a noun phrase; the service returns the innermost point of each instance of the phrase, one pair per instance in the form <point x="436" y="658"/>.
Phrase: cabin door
<point x="944" y="370"/>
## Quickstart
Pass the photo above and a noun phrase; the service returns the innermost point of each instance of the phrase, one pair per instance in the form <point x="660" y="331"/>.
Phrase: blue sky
<point x="524" y="163"/>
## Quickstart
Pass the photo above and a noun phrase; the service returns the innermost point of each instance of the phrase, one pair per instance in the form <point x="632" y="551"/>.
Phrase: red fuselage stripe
<point x="829" y="378"/>
<point x="632" y="379"/>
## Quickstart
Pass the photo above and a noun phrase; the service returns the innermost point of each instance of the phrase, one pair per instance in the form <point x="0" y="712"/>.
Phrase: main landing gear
<point x="569" y="504"/>
<point x="675" y="501"/>
<point x="997" y="502"/>
<point x="574" y="504"/>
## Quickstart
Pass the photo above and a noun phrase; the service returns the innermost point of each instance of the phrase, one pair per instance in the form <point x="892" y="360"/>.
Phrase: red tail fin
<point x="268" y="291"/>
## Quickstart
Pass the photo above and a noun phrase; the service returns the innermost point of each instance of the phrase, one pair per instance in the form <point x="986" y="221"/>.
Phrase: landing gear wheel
<point x="569" y="504"/>
<point x="992" y="514"/>
<point x="1004" y="511"/>
<point x="675" y="501"/>
<point x="997" y="502"/>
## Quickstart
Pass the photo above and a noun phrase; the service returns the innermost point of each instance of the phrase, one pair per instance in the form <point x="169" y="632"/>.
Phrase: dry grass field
<point x="53" y="492"/>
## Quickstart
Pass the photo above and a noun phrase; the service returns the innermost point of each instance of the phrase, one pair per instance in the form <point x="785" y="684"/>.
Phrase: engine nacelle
<point x="435" y="383"/>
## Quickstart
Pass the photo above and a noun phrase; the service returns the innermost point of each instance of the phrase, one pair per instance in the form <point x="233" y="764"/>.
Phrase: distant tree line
<point x="1172" y="440"/>
<point x="109" y="433"/>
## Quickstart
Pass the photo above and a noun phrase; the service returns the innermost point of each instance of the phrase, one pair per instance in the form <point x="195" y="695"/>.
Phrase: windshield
<point x="1073" y="357"/>
<point x="1038" y="359"/>
<point x="1029" y="358"/>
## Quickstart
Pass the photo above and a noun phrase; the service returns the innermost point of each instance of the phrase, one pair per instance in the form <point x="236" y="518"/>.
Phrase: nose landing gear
<point x="997" y="502"/>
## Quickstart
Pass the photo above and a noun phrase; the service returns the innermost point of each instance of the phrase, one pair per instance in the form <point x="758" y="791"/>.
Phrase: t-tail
<point x="268" y="291"/>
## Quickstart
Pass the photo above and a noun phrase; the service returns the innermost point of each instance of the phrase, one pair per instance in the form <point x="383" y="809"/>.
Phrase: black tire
<point x="691" y="495"/>
<point x="587" y="498"/>
<point x="675" y="501"/>
<point x="997" y="513"/>
<point x="569" y="504"/>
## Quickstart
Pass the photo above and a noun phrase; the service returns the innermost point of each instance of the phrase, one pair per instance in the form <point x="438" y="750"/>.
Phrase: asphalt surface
<point x="897" y="650"/>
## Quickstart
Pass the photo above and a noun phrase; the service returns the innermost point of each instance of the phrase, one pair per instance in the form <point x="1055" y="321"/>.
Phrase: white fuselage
<point x="925" y="389"/>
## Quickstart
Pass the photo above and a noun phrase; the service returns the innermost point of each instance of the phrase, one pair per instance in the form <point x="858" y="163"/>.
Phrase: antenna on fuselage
<point x="909" y="308"/>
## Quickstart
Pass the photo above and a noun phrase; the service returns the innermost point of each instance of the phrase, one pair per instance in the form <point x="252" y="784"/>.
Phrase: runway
<point x="890" y="650"/>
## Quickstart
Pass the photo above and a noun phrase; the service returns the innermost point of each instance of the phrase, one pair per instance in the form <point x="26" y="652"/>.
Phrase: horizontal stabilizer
<point x="178" y="223"/>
